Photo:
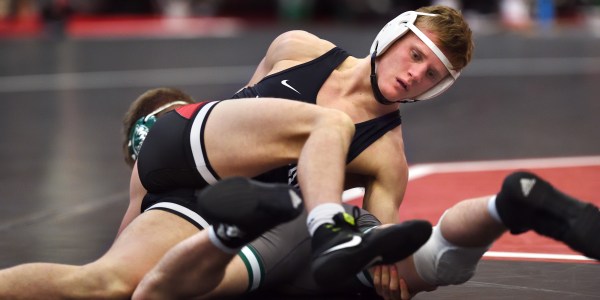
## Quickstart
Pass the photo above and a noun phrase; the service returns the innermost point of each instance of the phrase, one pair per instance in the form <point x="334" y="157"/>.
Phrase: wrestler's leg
<point x="223" y="275"/>
<point x="114" y="276"/>
<point x="234" y="283"/>
<point x="469" y="224"/>
<point x="467" y="230"/>
<point x="266" y="133"/>
<point x="262" y="134"/>
<point x="240" y="210"/>
<point x="192" y="268"/>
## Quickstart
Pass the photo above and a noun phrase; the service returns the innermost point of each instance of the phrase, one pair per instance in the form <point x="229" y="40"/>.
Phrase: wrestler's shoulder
<point x="300" y="45"/>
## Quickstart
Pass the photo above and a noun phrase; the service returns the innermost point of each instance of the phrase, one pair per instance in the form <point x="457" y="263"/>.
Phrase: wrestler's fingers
<point x="404" y="293"/>
<point x="394" y="290"/>
<point x="376" y="273"/>
<point x="385" y="281"/>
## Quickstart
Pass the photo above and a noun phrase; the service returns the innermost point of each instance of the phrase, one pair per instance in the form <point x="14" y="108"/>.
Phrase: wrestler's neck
<point x="348" y="89"/>
<point x="358" y="90"/>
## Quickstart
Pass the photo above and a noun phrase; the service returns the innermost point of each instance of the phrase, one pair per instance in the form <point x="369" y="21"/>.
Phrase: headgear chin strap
<point x="375" y="87"/>
<point x="390" y="33"/>
<point x="142" y="126"/>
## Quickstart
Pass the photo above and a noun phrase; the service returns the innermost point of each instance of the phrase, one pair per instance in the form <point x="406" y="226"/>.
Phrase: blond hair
<point x="454" y="36"/>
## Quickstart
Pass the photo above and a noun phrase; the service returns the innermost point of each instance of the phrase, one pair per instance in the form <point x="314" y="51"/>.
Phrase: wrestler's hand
<point x="388" y="285"/>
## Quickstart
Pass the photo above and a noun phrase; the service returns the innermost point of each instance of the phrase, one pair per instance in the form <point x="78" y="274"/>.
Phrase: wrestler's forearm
<point x="322" y="160"/>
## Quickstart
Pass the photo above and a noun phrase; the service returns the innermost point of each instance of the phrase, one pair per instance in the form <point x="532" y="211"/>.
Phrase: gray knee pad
<point x="440" y="263"/>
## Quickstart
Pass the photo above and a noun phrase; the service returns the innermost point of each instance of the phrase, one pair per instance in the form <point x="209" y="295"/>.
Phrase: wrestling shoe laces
<point x="527" y="202"/>
<point x="340" y="250"/>
<point x="241" y="209"/>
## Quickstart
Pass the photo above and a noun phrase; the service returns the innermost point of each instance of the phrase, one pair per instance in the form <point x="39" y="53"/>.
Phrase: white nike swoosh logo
<point x="284" y="82"/>
<point x="355" y="241"/>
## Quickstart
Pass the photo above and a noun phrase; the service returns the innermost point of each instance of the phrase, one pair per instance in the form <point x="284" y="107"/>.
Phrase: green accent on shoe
<point x="349" y="219"/>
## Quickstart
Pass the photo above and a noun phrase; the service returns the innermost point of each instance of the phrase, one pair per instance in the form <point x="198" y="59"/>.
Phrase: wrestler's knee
<point x="335" y="120"/>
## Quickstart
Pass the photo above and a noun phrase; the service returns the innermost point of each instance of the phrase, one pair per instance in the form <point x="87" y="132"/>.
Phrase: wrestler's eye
<point x="432" y="74"/>
<point x="415" y="55"/>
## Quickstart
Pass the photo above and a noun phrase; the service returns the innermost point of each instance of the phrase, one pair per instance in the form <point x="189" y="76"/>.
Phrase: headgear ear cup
<point x="142" y="126"/>
<point x="138" y="134"/>
<point x="392" y="31"/>
<point x="397" y="28"/>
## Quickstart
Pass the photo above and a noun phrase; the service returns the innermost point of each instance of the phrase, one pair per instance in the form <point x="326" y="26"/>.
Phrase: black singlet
<point x="302" y="83"/>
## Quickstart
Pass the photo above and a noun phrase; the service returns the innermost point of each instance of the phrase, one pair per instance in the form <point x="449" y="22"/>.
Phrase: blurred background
<point x="58" y="17"/>
<point x="69" y="70"/>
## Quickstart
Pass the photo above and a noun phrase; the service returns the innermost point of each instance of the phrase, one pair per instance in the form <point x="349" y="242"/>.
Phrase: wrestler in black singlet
<point x="302" y="83"/>
<point x="287" y="264"/>
<point x="160" y="174"/>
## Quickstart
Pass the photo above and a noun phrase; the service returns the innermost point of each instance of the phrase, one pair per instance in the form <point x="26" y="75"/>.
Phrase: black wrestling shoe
<point x="241" y="209"/>
<point x="340" y="250"/>
<point x="528" y="202"/>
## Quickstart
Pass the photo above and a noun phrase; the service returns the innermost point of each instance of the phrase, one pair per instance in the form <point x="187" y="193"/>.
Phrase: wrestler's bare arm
<point x="289" y="49"/>
<point x="385" y="169"/>
<point x="136" y="194"/>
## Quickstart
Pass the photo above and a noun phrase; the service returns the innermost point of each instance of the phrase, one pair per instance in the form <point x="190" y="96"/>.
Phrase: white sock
<point x="322" y="214"/>
<point x="440" y="262"/>
<point x="493" y="210"/>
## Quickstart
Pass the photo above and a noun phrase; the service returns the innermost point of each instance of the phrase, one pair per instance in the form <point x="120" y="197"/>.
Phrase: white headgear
<point x="395" y="29"/>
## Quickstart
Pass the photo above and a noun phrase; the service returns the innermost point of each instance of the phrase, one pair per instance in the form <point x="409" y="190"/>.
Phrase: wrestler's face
<point x="409" y="68"/>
